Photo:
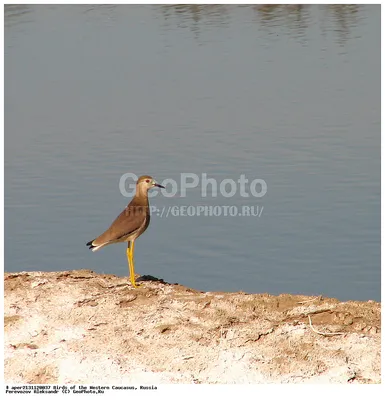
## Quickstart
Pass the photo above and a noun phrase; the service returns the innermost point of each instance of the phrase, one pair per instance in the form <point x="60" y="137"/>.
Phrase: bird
<point x="129" y="224"/>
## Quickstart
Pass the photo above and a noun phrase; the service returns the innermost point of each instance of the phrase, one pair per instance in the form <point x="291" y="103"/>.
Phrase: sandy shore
<point x="82" y="327"/>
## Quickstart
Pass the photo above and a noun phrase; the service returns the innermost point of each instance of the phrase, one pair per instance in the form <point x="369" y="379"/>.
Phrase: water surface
<point x="288" y="94"/>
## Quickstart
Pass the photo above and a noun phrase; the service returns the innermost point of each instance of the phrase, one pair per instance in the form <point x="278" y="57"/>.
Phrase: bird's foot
<point x="134" y="284"/>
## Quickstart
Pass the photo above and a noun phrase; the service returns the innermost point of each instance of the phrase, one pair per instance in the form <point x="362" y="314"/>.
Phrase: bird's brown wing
<point x="130" y="220"/>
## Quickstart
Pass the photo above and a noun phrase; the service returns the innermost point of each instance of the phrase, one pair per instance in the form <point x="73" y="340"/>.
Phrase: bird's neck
<point x="141" y="197"/>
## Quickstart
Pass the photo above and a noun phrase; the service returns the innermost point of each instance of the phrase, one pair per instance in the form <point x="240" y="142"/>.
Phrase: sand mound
<point x="80" y="327"/>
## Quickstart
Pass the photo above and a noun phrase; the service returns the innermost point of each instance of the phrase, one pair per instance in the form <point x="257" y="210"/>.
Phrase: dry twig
<point x="309" y="301"/>
<point x="324" y="333"/>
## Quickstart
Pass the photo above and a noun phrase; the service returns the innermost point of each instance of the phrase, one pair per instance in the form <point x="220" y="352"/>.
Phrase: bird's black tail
<point x="91" y="246"/>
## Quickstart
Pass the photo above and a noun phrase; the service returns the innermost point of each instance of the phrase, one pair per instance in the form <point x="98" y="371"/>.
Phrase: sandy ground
<point x="79" y="327"/>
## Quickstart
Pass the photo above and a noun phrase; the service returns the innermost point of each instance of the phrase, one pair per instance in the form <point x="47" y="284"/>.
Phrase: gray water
<point x="287" y="94"/>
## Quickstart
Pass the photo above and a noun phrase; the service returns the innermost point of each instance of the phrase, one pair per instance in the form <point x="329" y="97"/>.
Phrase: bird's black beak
<point x="160" y="186"/>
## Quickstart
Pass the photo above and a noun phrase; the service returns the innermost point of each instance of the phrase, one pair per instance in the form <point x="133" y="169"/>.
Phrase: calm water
<point x="290" y="95"/>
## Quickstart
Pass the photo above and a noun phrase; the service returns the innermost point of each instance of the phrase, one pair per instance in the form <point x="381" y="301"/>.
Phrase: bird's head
<point x="147" y="182"/>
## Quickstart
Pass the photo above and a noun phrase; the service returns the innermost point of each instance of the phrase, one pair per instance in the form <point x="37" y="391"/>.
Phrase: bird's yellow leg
<point x="128" y="252"/>
<point x="130" y="257"/>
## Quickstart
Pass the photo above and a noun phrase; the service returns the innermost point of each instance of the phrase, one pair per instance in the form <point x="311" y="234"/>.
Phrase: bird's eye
<point x="147" y="180"/>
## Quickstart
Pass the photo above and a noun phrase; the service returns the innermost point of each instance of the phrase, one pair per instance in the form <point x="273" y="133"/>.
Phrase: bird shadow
<point x="150" y="278"/>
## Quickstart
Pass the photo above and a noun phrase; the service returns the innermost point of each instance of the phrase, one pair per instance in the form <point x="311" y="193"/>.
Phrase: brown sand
<point x="80" y="327"/>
